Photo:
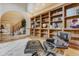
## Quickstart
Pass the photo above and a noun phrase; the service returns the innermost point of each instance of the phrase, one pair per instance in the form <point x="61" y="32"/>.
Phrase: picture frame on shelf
<point x="75" y="23"/>
<point x="70" y="12"/>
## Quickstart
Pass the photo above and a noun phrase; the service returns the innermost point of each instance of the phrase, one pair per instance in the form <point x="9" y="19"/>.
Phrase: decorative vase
<point x="44" y="26"/>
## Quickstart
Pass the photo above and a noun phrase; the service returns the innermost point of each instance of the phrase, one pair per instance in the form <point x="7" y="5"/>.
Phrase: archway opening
<point x="13" y="23"/>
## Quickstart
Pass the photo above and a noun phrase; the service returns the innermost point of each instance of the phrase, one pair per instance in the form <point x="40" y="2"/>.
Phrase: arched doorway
<point x="12" y="21"/>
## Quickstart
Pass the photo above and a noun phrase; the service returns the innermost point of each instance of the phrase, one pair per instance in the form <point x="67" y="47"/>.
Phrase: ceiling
<point x="37" y="8"/>
<point x="11" y="17"/>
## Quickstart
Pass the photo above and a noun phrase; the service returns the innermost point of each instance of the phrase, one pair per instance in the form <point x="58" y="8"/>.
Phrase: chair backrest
<point x="64" y="36"/>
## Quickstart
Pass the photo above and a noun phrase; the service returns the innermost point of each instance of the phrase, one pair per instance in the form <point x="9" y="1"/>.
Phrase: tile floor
<point x="14" y="48"/>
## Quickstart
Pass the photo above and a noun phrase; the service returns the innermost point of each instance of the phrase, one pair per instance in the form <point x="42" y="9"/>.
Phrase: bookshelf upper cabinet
<point x="72" y="16"/>
<point x="56" y="18"/>
<point x="45" y="20"/>
<point x="62" y="18"/>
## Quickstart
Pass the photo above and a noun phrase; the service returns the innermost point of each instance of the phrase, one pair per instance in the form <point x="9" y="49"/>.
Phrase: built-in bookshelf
<point x="44" y="33"/>
<point x="53" y="32"/>
<point x="32" y="31"/>
<point x="37" y="22"/>
<point x="56" y="20"/>
<point x="37" y="32"/>
<point x="62" y="18"/>
<point x="45" y="20"/>
<point x="71" y="19"/>
<point x="33" y="23"/>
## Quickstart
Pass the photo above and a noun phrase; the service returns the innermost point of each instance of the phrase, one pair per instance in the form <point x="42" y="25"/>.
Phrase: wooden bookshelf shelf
<point x="71" y="17"/>
<point x="72" y="29"/>
<point x="57" y="15"/>
<point x="56" y="29"/>
<point x="57" y="21"/>
<point x="75" y="36"/>
<point x="48" y="23"/>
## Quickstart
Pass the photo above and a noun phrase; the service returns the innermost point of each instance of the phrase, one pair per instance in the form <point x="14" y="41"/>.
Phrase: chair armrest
<point x="48" y="45"/>
<point x="53" y="44"/>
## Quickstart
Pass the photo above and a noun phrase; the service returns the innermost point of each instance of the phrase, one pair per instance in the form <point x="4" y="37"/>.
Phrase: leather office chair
<point x="58" y="41"/>
<point x="33" y="47"/>
<point x="49" y="47"/>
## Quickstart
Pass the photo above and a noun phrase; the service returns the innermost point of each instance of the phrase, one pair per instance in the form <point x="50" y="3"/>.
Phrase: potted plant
<point x="24" y="26"/>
